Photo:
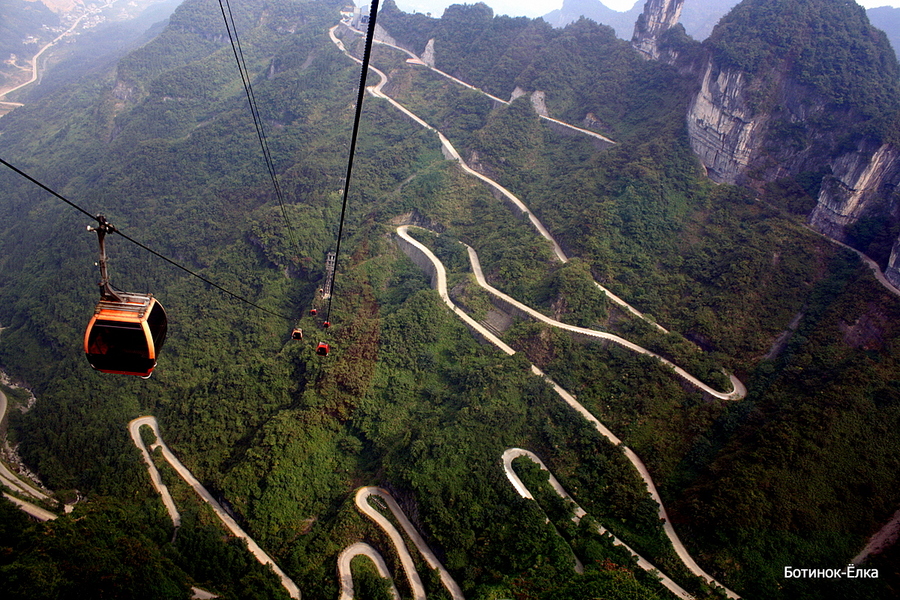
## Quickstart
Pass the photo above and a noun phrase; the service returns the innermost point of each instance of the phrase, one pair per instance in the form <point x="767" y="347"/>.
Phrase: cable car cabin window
<point x="158" y="326"/>
<point x="119" y="347"/>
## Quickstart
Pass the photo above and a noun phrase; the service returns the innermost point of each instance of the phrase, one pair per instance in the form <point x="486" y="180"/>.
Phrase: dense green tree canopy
<point x="409" y="399"/>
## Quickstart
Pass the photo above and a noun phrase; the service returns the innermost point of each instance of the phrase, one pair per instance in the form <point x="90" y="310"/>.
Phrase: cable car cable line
<point x="238" y="52"/>
<point x="236" y="48"/>
<point x="47" y="189"/>
<point x="112" y="229"/>
<point x="370" y="34"/>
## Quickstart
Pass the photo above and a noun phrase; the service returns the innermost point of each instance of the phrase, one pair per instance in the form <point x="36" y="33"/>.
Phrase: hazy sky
<point x="537" y="8"/>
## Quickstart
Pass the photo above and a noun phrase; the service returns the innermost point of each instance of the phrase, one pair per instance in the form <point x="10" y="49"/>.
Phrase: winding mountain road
<point x="415" y="582"/>
<point x="737" y="392"/>
<point x="18" y="485"/>
<point x="513" y="453"/>
<point x="346" y="576"/>
<point x="439" y="281"/>
<point x="35" y="70"/>
<point x="134" y="428"/>
<point x="451" y="154"/>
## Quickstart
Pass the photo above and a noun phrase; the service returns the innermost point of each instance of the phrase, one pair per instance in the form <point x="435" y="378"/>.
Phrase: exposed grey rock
<point x="861" y="182"/>
<point x="428" y="56"/>
<point x="381" y="35"/>
<point x="658" y="17"/>
<point x="736" y="145"/>
<point x="892" y="273"/>
<point x="723" y="132"/>
<point x="538" y="101"/>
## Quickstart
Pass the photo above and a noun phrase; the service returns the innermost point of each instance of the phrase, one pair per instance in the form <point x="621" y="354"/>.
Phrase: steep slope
<point x="887" y="19"/>
<point x="698" y="17"/>
<point x="658" y="17"/>
<point x="165" y="147"/>
<point x="792" y="89"/>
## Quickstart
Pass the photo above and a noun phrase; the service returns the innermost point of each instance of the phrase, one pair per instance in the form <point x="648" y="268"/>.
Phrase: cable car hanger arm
<point x="107" y="292"/>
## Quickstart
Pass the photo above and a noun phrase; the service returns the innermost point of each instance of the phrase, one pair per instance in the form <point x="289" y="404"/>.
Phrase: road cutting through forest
<point x="35" y="69"/>
<point x="439" y="281"/>
<point x="362" y="503"/>
<point x="19" y="486"/>
<point x="346" y="576"/>
<point x="451" y="153"/>
<point x="134" y="427"/>
<point x="513" y="453"/>
<point x="737" y="392"/>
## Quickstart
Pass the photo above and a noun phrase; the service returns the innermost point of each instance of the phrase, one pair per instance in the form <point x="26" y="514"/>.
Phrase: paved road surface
<point x="134" y="427"/>
<point x="346" y="576"/>
<point x="513" y="453"/>
<point x="440" y="282"/>
<point x="362" y="503"/>
<point x="16" y="484"/>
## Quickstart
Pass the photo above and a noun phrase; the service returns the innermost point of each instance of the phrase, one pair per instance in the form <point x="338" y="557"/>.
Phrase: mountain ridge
<point x="698" y="18"/>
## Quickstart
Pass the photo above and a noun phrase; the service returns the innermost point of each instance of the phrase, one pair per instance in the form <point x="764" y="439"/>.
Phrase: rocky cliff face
<point x="722" y="130"/>
<point x="742" y="145"/>
<point x="751" y="129"/>
<point x="861" y="182"/>
<point x="658" y="17"/>
<point x="737" y="145"/>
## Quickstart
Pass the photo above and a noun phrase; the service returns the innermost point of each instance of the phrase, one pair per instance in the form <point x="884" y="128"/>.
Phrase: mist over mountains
<point x="698" y="17"/>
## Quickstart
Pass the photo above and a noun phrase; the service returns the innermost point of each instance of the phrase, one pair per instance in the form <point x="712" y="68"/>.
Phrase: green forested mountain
<point x="698" y="17"/>
<point x="828" y="46"/>
<point x="799" y="473"/>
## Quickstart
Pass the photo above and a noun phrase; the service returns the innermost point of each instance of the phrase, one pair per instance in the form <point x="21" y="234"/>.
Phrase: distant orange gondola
<point x="297" y="334"/>
<point x="323" y="349"/>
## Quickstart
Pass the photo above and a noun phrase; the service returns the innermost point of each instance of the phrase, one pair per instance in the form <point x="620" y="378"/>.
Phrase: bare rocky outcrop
<point x="754" y="129"/>
<point x="862" y="182"/>
<point x="892" y="273"/>
<point x="428" y="55"/>
<point x="737" y="145"/>
<point x="539" y="102"/>
<point x="722" y="129"/>
<point x="736" y="142"/>
<point x="658" y="17"/>
<point x="381" y="35"/>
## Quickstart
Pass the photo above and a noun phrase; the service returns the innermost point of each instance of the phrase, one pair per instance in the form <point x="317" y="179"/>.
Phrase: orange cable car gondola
<point x="297" y="334"/>
<point x="128" y="330"/>
<point x="322" y="349"/>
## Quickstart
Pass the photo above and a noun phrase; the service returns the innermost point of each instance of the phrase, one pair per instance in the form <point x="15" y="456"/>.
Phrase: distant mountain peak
<point x="658" y="17"/>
